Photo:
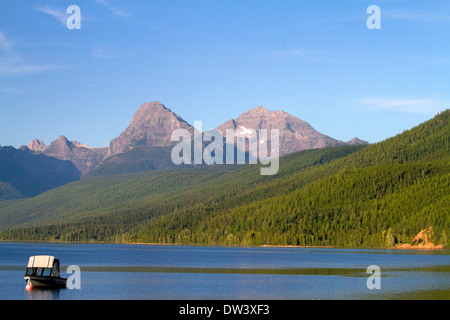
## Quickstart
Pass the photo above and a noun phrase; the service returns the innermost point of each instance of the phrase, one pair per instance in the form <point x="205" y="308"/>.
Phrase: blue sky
<point x="212" y="60"/>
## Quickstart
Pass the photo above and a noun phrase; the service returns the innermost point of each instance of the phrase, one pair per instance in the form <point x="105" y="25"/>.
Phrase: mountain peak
<point x="63" y="139"/>
<point x="152" y="106"/>
<point x="82" y="156"/>
<point x="150" y="111"/>
<point x="294" y="133"/>
<point x="258" y="109"/>
<point x="37" y="145"/>
<point x="152" y="125"/>
<point x="62" y="145"/>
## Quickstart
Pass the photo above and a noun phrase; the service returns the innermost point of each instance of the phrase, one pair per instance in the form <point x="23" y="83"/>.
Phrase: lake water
<point x="223" y="273"/>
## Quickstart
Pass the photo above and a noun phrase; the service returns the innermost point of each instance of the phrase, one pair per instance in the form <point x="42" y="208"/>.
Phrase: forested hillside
<point x="382" y="195"/>
<point x="24" y="174"/>
<point x="123" y="202"/>
<point x="376" y="196"/>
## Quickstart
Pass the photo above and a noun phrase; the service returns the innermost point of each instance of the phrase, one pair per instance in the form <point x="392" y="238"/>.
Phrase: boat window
<point x="39" y="271"/>
<point x="30" y="271"/>
<point x="55" y="271"/>
<point x="47" y="272"/>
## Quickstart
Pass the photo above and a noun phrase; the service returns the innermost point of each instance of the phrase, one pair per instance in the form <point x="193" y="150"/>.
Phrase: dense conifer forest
<point x="380" y="195"/>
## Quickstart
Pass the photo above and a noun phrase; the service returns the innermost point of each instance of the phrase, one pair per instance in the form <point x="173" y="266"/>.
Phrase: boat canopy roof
<point x="41" y="262"/>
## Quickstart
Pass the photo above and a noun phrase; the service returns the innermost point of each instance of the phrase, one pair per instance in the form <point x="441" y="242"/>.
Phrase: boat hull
<point x="46" y="282"/>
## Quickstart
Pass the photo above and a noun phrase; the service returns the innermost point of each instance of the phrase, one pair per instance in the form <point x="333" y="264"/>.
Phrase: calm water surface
<point x="181" y="272"/>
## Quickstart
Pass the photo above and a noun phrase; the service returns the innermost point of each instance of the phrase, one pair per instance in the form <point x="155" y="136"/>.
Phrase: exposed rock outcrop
<point x="83" y="157"/>
<point x="37" y="145"/>
<point x="294" y="133"/>
<point x="152" y="125"/>
<point x="421" y="241"/>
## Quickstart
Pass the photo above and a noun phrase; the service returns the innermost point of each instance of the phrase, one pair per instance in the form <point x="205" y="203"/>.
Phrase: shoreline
<point x="398" y="247"/>
<point x="405" y="246"/>
<point x="408" y="246"/>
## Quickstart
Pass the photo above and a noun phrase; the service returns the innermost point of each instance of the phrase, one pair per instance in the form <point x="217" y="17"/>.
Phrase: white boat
<point x="44" y="272"/>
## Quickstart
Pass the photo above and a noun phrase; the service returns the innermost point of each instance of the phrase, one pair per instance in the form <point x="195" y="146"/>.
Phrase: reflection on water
<point x="43" y="294"/>
<point x="421" y="295"/>
<point x="349" y="272"/>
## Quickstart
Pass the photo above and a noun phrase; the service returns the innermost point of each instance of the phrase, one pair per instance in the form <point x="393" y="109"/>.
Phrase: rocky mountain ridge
<point x="294" y="133"/>
<point x="82" y="156"/>
<point x="153" y="123"/>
